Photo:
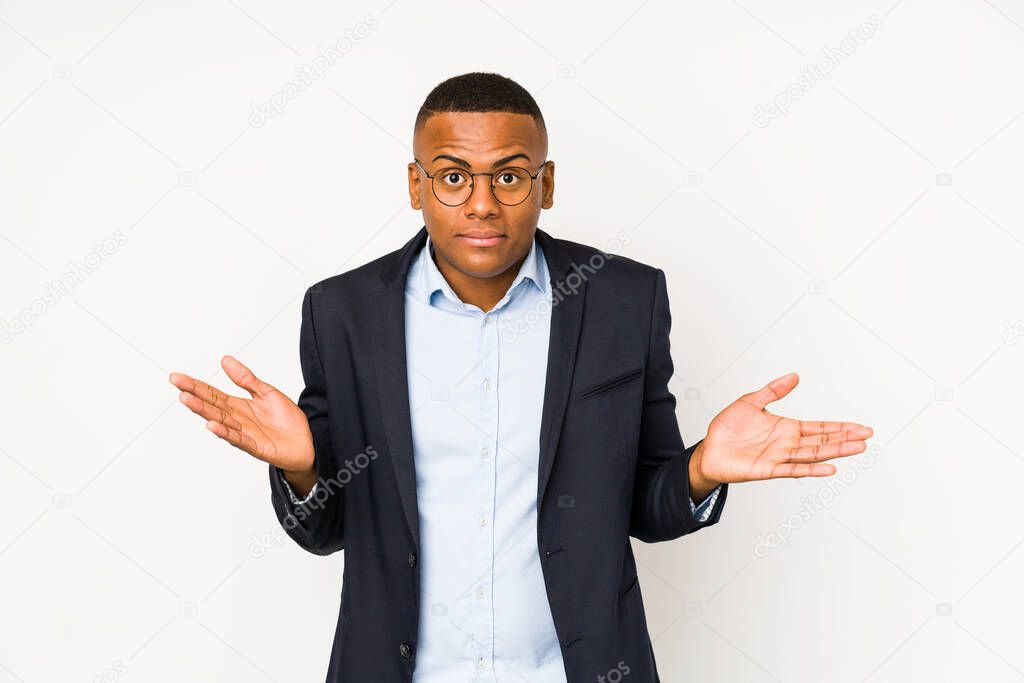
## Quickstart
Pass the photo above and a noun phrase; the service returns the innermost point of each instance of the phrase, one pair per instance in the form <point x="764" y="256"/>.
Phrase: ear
<point x="548" y="177"/>
<point x="414" y="186"/>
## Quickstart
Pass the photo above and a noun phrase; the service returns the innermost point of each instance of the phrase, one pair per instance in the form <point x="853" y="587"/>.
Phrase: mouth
<point x="481" y="238"/>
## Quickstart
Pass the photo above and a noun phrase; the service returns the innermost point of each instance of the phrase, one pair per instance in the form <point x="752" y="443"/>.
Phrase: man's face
<point x="481" y="142"/>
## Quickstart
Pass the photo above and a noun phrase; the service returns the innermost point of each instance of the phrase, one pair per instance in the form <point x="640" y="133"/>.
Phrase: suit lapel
<point x="390" y="361"/>
<point x="389" y="355"/>
<point x="569" y="292"/>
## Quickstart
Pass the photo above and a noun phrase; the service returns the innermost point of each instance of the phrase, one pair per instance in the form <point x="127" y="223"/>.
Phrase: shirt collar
<point x="430" y="279"/>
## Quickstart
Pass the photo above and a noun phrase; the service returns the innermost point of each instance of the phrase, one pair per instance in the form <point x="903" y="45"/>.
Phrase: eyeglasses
<point x="453" y="186"/>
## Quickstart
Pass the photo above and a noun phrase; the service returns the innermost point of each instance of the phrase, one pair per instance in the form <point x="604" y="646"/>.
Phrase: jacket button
<point x="406" y="650"/>
<point x="412" y="559"/>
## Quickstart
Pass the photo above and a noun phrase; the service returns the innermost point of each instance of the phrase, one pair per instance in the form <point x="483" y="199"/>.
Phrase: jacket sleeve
<point x="316" y="522"/>
<point x="662" y="506"/>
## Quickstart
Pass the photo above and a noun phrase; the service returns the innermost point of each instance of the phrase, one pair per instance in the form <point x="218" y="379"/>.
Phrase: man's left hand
<point x="747" y="443"/>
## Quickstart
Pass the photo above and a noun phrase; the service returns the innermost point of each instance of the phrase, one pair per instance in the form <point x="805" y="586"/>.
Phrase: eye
<point x="509" y="176"/>
<point x="453" y="177"/>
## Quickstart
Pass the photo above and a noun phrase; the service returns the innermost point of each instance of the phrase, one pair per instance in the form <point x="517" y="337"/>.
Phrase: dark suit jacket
<point x="612" y="462"/>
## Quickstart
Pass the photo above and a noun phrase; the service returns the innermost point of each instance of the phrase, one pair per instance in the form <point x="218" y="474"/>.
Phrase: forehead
<point x="479" y="136"/>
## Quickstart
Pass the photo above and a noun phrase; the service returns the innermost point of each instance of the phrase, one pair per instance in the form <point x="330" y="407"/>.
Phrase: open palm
<point x="747" y="443"/>
<point x="269" y="426"/>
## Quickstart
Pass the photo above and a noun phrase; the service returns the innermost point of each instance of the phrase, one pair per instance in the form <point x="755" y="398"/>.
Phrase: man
<point x="486" y="421"/>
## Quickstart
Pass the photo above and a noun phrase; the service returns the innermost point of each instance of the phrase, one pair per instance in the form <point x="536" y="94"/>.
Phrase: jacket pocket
<point x="610" y="383"/>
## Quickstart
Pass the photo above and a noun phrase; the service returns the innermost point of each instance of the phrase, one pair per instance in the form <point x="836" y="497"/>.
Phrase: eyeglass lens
<point x="452" y="186"/>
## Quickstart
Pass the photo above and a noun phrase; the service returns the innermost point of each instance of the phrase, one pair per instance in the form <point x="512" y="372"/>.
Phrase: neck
<point x="484" y="293"/>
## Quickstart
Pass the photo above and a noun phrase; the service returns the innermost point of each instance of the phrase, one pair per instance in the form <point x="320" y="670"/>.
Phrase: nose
<point x="482" y="203"/>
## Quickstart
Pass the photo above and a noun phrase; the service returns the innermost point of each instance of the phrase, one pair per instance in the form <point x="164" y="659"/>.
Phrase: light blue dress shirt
<point x="476" y="387"/>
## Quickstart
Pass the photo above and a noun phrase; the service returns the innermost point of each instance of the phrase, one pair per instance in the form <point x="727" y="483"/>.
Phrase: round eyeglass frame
<point x="472" y="182"/>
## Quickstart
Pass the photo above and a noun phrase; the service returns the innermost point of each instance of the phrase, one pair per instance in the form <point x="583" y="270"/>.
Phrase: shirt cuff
<point x="309" y="496"/>
<point x="703" y="511"/>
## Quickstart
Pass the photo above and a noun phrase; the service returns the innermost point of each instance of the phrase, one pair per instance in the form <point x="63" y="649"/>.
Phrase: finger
<point x="828" y="452"/>
<point x="774" y="390"/>
<point x="208" y="411"/>
<point x="850" y="434"/>
<point x="797" y="470"/>
<point x="810" y="427"/>
<point x="243" y="376"/>
<point x="234" y="437"/>
<point x="200" y="389"/>
<point x="182" y="381"/>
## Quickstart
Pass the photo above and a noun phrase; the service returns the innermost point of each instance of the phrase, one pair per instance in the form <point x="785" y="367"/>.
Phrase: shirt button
<point x="412" y="559"/>
<point x="486" y="384"/>
<point x="480" y="593"/>
<point x="485" y="452"/>
<point x="481" y="663"/>
<point x="405" y="649"/>
<point x="483" y="521"/>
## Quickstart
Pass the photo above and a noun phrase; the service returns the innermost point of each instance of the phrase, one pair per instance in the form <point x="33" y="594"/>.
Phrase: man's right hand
<point x="269" y="426"/>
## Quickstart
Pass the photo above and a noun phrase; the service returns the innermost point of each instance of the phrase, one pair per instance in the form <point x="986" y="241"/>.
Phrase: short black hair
<point x="479" y="92"/>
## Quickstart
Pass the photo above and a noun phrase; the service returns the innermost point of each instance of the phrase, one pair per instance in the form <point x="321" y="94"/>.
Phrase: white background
<point x="870" y="239"/>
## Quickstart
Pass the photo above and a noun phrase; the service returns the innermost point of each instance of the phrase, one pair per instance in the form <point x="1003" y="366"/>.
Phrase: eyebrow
<point x="465" y="164"/>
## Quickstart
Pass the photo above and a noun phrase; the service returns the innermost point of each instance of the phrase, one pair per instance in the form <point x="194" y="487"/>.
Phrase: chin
<point x="483" y="265"/>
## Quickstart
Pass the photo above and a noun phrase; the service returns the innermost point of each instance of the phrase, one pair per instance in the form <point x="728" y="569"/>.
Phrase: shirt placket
<point x="487" y="414"/>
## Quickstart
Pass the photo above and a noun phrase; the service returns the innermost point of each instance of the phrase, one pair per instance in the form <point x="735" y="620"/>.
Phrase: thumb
<point x="243" y="377"/>
<point x="774" y="390"/>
